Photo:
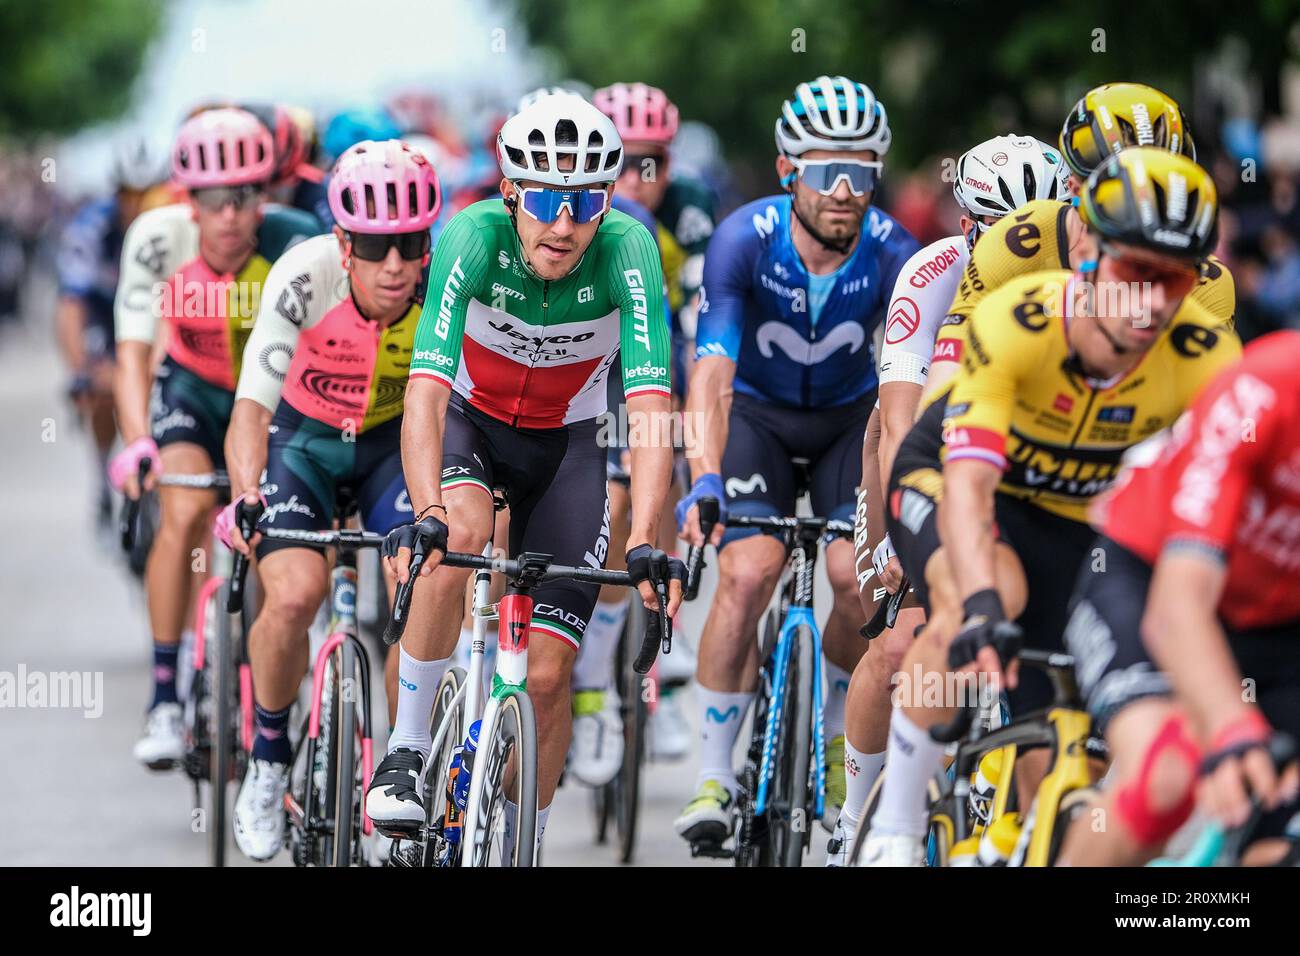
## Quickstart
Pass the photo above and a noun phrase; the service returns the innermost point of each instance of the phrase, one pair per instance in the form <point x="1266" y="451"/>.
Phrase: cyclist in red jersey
<point x="1186" y="646"/>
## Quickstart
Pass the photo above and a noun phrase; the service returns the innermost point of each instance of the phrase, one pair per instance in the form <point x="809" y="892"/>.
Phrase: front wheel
<point x="788" y="810"/>
<point x="635" y="711"/>
<point x="344" y="734"/>
<point x="510" y="744"/>
<point x="223" y="715"/>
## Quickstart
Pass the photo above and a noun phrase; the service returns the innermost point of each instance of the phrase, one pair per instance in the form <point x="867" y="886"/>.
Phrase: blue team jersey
<point x="795" y="345"/>
<point x="90" y="252"/>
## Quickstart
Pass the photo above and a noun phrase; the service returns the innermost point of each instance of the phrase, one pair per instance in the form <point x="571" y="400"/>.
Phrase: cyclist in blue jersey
<point x="90" y="250"/>
<point x="795" y="285"/>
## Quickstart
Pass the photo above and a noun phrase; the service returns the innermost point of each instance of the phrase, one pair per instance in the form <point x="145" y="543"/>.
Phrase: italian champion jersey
<point x="1036" y="237"/>
<point x="313" y="347"/>
<point x="536" y="353"/>
<point x="1021" y="402"/>
<point x="210" y="315"/>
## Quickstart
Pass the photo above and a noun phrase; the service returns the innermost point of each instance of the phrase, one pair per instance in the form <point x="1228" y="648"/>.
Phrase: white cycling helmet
<point x="532" y="142"/>
<point x="541" y="93"/>
<point x="1003" y="173"/>
<point x="136" y="164"/>
<point x="832" y="113"/>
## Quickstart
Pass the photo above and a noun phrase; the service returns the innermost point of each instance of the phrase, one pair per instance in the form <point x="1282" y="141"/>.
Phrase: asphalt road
<point x="70" y="792"/>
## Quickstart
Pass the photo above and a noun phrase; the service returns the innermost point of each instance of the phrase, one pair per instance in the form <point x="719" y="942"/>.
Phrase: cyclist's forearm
<point x="965" y="523"/>
<point x="652" y="465"/>
<point x="708" y="407"/>
<point x="424" y="419"/>
<point x="250" y="423"/>
<point x="131" y="383"/>
<point x="1181" y="631"/>
<point x="69" y="327"/>
<point x="898" y="403"/>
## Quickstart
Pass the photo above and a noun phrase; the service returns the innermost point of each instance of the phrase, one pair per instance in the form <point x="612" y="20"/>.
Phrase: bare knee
<point x="548" y="678"/>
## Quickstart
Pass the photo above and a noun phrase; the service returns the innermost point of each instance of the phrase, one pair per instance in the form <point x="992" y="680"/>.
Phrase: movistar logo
<point x="800" y="349"/>
<point x="721" y="716"/>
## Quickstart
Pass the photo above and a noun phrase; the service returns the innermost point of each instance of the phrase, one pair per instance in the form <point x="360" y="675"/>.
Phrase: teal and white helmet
<point x="832" y="113"/>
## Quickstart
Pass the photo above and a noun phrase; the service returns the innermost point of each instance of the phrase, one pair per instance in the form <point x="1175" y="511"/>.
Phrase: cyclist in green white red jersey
<point x="531" y="302"/>
<point x="319" y="407"/>
<point x="200" y="267"/>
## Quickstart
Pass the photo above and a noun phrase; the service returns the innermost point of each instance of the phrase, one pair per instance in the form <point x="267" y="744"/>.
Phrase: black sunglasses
<point x="373" y="247"/>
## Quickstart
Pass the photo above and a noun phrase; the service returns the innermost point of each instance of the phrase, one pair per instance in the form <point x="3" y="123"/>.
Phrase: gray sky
<point x="322" y="54"/>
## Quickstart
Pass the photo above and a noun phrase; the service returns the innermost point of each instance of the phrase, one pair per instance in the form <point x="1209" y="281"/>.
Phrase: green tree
<point x="950" y="72"/>
<point x="69" y="63"/>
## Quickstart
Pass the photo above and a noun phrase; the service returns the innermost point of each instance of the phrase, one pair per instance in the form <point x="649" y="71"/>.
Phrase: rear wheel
<point x="510" y="744"/>
<point x="437" y="777"/>
<point x="346" y="770"/>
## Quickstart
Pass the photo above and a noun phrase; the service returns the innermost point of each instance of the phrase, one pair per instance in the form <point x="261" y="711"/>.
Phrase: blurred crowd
<point x="1256" y="166"/>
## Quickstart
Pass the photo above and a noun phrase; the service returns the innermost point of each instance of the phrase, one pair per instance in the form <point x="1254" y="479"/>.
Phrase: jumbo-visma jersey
<point x="1021" y="402"/>
<point x="756" y="307"/>
<point x="1036" y="237"/>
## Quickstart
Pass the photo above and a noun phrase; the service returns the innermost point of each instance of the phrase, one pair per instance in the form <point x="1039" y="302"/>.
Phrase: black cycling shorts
<point x="309" y="466"/>
<point x="185" y="408"/>
<point x="1051" y="550"/>
<point x="762" y="439"/>
<point x="554" y="480"/>
<point x="1113" y="668"/>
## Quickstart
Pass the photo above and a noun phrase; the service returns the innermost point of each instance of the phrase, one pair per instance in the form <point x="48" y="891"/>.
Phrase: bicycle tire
<point x="345" y="765"/>
<point x="789" y="810"/>
<point x="435" y="781"/>
<point x="514" y="733"/>
<point x="220" y="665"/>
<point x="869" y="810"/>
<point x="635" y="713"/>
<point x="1072" y="803"/>
<point x="753" y="843"/>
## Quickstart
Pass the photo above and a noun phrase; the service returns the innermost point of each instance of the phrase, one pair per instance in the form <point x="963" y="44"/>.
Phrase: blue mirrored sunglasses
<point x="545" y="205"/>
<point x="824" y="175"/>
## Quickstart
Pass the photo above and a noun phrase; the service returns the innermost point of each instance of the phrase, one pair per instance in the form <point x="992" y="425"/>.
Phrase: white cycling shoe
<point x="892" y="849"/>
<point x="259" y="810"/>
<point x="163" y="743"/>
<point x="393" y="799"/>
<point x="839" y="845"/>
<point x="596" y="753"/>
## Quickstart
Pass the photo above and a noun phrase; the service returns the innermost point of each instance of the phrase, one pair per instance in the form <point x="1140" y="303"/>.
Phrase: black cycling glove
<point x="638" y="565"/>
<point x="429" y="533"/>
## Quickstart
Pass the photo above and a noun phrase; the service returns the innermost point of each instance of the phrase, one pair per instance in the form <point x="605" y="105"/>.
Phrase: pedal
<point x="713" y="851"/>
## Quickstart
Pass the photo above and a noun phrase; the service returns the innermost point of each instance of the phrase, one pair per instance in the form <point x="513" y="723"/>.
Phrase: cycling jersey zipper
<point x="546" y="304"/>
<point x="806" y="389"/>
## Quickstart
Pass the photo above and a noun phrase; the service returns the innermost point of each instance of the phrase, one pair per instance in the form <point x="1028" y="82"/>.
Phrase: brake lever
<point x="131" y="513"/>
<point x="396" y="625"/>
<point x="659" y="575"/>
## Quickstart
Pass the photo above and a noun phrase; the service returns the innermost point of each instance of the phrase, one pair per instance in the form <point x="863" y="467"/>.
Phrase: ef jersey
<point x="536" y="353"/>
<point x="1036" y="237"/>
<point x="797" y="340"/>
<point x="210" y="315"/>
<point x="1228" y="484"/>
<point x="313" y="347"/>
<point x="1021" y="402"/>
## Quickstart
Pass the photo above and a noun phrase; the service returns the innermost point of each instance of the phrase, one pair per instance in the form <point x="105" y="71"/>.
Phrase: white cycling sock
<point x="417" y="689"/>
<point x="860" y="772"/>
<point x="913" y="758"/>
<point x="834" y="696"/>
<point x="509" y="818"/>
<point x="721" y="714"/>
<point x="594" y="667"/>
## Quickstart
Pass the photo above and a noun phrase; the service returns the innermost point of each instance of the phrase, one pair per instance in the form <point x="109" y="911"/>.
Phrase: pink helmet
<point x="639" y="112"/>
<point x="223" y="147"/>
<point x="365" y="176"/>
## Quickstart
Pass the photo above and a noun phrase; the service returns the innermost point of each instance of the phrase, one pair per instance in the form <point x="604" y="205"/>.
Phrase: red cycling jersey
<point x="1228" y="481"/>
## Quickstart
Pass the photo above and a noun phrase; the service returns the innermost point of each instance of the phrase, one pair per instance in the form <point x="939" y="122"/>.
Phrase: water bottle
<point x="460" y="788"/>
<point x="984" y="786"/>
<point x="999" y="840"/>
<point x="451" y="821"/>
<point x="965" y="852"/>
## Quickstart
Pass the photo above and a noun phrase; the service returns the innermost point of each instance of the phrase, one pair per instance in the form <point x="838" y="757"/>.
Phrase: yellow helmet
<point x="1155" y="200"/>
<point x="1117" y="115"/>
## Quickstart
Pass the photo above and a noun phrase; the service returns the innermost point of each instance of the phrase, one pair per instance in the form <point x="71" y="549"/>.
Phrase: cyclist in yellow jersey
<point x="1047" y="234"/>
<point x="200" y="267"/>
<point x="1061" y="372"/>
<point x="319" y="407"/>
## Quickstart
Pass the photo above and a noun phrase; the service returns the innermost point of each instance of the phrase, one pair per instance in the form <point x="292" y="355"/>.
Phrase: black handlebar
<point x="886" y="612"/>
<point x="246" y="518"/>
<point x="963" y="722"/>
<point x="131" y="513"/>
<point x="708" y="511"/>
<point x="659" y="632"/>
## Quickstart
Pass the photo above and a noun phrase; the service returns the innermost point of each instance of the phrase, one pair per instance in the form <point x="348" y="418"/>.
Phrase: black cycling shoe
<point x="393" y="797"/>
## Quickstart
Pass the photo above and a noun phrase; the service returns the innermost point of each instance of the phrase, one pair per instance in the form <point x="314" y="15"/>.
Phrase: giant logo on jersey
<point x="798" y="349"/>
